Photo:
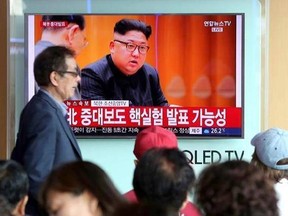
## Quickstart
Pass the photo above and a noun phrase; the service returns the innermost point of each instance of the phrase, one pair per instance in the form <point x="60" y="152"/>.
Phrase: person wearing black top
<point x="123" y="74"/>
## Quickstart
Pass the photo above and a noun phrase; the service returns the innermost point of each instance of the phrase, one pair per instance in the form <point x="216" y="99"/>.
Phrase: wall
<point x="115" y="155"/>
<point x="277" y="101"/>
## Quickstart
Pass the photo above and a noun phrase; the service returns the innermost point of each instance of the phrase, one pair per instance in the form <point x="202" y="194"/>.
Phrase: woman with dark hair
<point x="79" y="188"/>
<point x="235" y="188"/>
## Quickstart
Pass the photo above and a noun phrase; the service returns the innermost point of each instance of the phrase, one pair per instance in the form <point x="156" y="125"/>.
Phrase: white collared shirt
<point x="281" y="189"/>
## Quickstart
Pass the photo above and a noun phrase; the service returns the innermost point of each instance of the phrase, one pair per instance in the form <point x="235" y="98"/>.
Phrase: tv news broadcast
<point x="199" y="60"/>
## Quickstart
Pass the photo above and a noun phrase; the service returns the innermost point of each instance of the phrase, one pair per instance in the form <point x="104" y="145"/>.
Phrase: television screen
<point x="199" y="59"/>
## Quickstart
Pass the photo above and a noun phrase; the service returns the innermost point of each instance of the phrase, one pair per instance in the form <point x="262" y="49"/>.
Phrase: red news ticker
<point x="81" y="114"/>
<point x="54" y="24"/>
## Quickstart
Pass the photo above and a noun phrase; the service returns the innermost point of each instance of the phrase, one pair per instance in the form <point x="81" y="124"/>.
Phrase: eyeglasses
<point x="131" y="47"/>
<point x="73" y="73"/>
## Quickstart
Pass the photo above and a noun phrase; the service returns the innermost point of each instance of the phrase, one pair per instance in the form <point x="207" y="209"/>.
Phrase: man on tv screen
<point x="63" y="30"/>
<point x="123" y="74"/>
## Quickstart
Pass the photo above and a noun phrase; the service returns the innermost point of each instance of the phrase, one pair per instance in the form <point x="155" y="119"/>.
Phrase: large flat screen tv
<point x="200" y="63"/>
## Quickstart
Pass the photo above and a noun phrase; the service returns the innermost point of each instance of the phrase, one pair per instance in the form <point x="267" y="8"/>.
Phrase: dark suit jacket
<point x="44" y="141"/>
<point x="102" y="80"/>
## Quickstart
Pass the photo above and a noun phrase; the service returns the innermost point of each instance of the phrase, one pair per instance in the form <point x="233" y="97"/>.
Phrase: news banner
<point x="92" y="118"/>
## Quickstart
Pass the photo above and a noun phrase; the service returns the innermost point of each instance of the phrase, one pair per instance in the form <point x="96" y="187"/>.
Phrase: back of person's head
<point x="51" y="59"/>
<point x="143" y="209"/>
<point x="271" y="153"/>
<point x="13" y="188"/>
<point x="125" y="25"/>
<point x="76" y="19"/>
<point x="154" y="137"/>
<point x="235" y="188"/>
<point x="79" y="177"/>
<point x="163" y="177"/>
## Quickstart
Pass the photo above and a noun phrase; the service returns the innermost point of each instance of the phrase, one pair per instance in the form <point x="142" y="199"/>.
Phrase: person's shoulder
<point x="99" y="69"/>
<point x="38" y="111"/>
<point x="149" y="69"/>
<point x="100" y="63"/>
<point x="190" y="209"/>
<point x="42" y="99"/>
<point x="41" y="45"/>
<point x="40" y="104"/>
<point x="149" y="72"/>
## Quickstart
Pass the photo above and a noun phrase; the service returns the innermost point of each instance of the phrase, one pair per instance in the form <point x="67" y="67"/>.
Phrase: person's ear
<point x="54" y="77"/>
<point x="112" y="46"/>
<point x="73" y="30"/>
<point x="136" y="162"/>
<point x="20" y="207"/>
<point x="93" y="202"/>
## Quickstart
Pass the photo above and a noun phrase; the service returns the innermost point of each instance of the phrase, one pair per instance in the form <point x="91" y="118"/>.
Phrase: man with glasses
<point x="45" y="139"/>
<point x="123" y="74"/>
<point x="63" y="30"/>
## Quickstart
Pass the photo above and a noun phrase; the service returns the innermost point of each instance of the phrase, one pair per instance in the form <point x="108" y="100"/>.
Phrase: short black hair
<point x="77" y="19"/>
<point x="14" y="183"/>
<point x="163" y="177"/>
<point x="125" y="25"/>
<point x="51" y="59"/>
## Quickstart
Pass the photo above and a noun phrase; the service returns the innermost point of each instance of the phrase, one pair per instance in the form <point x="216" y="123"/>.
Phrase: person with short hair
<point x="235" y="188"/>
<point x="157" y="137"/>
<point x="45" y="139"/>
<point x="164" y="177"/>
<point x="271" y="157"/>
<point x="123" y="74"/>
<point x="153" y="137"/>
<point x="13" y="188"/>
<point x="80" y="188"/>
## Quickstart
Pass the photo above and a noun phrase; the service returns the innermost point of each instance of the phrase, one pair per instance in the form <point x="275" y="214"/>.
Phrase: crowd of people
<point x="48" y="176"/>
<point x="163" y="181"/>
